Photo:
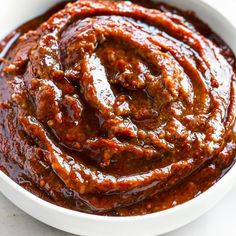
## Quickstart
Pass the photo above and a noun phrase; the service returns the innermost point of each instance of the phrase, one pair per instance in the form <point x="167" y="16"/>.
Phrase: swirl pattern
<point x="120" y="101"/>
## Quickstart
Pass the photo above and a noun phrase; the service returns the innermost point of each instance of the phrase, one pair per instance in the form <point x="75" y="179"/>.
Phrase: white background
<point x="220" y="221"/>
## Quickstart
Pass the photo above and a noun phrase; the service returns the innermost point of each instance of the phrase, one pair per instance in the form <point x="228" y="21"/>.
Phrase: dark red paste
<point x="113" y="108"/>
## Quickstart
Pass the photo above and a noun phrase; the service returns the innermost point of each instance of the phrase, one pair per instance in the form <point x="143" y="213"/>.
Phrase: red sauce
<point x="113" y="108"/>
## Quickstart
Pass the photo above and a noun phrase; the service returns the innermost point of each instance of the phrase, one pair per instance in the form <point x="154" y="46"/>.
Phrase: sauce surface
<point x="114" y="108"/>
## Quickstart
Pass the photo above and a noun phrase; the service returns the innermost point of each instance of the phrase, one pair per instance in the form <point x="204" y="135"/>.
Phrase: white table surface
<point x="220" y="221"/>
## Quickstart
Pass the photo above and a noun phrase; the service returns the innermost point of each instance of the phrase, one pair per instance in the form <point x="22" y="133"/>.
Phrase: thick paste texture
<point x="116" y="108"/>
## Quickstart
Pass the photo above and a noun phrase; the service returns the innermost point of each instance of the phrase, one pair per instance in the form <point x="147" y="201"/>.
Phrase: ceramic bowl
<point x="14" y="13"/>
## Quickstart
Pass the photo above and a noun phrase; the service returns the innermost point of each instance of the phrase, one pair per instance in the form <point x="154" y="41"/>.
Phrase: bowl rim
<point x="229" y="177"/>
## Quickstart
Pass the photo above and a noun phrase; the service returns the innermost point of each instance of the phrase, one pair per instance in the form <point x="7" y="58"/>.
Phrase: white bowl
<point x="85" y="224"/>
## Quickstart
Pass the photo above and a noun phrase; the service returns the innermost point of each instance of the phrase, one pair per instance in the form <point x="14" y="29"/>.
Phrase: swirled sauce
<point x="114" y="108"/>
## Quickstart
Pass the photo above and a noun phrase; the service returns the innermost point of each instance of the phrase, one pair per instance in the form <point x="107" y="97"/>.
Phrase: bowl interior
<point x="80" y="223"/>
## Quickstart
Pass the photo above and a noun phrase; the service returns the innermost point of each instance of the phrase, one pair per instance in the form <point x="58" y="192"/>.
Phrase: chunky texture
<point x="107" y="104"/>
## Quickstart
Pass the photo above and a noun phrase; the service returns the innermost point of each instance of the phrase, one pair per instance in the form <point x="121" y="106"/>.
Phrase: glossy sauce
<point x="113" y="108"/>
